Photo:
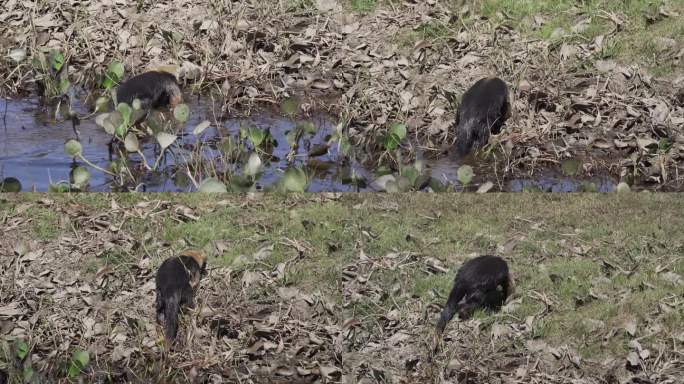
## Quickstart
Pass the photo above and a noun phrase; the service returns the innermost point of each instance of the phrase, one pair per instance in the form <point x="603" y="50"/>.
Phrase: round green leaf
<point x="21" y="348"/>
<point x="399" y="130"/>
<point x="256" y="136"/>
<point x="165" y="139"/>
<point x="253" y="166"/>
<point x="212" y="185"/>
<point x="125" y="111"/>
<point x="465" y="174"/>
<point x="79" y="360"/>
<point x="623" y="188"/>
<point x="290" y="106"/>
<point x="201" y="127"/>
<point x="115" y="71"/>
<point x="73" y="148"/>
<point x="570" y="167"/>
<point x="294" y="180"/>
<point x="181" y="112"/>
<point x="101" y="104"/>
<point x="391" y="142"/>
<point x="10" y="184"/>
<point x="56" y="60"/>
<point x="382" y="182"/>
<point x="131" y="142"/>
<point x="308" y="127"/>
<point x="137" y="104"/>
<point x="80" y="177"/>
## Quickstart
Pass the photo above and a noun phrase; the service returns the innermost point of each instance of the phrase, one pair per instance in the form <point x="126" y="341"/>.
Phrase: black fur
<point x="153" y="89"/>
<point x="482" y="282"/>
<point x="483" y="110"/>
<point x="174" y="290"/>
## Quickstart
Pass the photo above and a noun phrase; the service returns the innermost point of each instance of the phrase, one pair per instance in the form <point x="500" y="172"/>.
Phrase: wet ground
<point x="32" y="138"/>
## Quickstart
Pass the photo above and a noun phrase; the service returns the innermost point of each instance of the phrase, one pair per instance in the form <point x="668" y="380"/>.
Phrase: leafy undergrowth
<point x="342" y="288"/>
<point x="597" y="81"/>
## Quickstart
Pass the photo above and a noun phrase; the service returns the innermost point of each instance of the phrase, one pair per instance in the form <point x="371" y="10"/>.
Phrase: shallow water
<point x="32" y="150"/>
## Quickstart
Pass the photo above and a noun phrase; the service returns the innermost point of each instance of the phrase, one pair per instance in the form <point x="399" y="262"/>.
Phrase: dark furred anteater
<point x="176" y="280"/>
<point x="154" y="89"/>
<point x="482" y="282"/>
<point x="483" y="109"/>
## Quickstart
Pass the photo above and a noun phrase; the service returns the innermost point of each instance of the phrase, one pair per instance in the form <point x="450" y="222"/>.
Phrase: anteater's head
<point x="471" y="134"/>
<point x="171" y="92"/>
<point x="174" y="93"/>
<point x="201" y="263"/>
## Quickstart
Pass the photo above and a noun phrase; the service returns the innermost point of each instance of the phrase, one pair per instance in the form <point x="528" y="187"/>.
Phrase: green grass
<point x="363" y="6"/>
<point x="559" y="246"/>
<point x="634" y="42"/>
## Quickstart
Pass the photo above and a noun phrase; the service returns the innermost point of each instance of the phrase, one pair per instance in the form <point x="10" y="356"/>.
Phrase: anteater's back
<point x="483" y="110"/>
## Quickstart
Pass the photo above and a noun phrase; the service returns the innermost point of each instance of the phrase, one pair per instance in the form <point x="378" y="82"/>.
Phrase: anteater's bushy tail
<point x="171" y="309"/>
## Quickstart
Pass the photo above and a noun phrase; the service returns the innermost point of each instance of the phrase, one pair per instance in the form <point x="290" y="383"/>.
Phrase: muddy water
<point x="32" y="140"/>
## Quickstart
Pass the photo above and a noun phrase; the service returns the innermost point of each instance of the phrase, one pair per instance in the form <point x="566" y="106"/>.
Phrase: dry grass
<point x="345" y="288"/>
<point x="575" y="95"/>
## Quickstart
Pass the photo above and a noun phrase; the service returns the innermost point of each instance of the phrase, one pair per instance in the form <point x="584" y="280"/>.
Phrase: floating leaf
<point x="399" y="130"/>
<point x="80" y="177"/>
<point x="570" y="167"/>
<point x="240" y="184"/>
<point x="212" y="185"/>
<point x="137" y="104"/>
<point x="588" y="186"/>
<point x="465" y="174"/>
<point x="181" y="112"/>
<point x="382" y="181"/>
<point x="294" y="180"/>
<point x="113" y="123"/>
<point x="396" y="134"/>
<point x="73" y="148"/>
<point x="403" y="184"/>
<point x="131" y="143"/>
<point x="59" y="188"/>
<point x="290" y="107"/>
<point x="21" y="349"/>
<point x="391" y="142"/>
<point x="121" y="130"/>
<point x="411" y="173"/>
<point x="56" y="60"/>
<point x="101" y="104"/>
<point x="307" y="127"/>
<point x="79" y="360"/>
<point x="622" y="187"/>
<point x="10" y="184"/>
<point x="125" y="111"/>
<point x="113" y="75"/>
<point x="256" y="136"/>
<point x="318" y="150"/>
<point x="437" y="186"/>
<point x="486" y="187"/>
<point x="253" y="166"/>
<point x="115" y="70"/>
<point x="165" y="139"/>
<point x="201" y="127"/>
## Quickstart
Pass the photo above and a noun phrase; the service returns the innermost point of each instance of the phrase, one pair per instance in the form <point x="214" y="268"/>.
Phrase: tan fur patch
<point x="196" y="255"/>
<point x="511" y="285"/>
<point x="175" y="100"/>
